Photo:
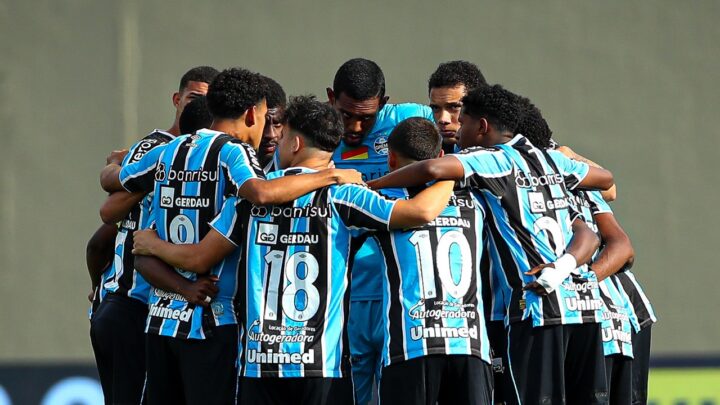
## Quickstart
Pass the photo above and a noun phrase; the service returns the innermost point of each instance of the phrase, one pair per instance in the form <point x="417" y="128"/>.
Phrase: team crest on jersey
<point x="381" y="145"/>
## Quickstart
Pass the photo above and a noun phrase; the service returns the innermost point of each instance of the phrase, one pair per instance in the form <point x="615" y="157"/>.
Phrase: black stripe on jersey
<point x="356" y="217"/>
<point x="208" y="189"/>
<point x="485" y="269"/>
<point x="395" y="307"/>
<point x="641" y="311"/>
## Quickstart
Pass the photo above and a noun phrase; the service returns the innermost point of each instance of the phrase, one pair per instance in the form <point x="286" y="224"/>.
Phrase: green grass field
<point x="684" y="386"/>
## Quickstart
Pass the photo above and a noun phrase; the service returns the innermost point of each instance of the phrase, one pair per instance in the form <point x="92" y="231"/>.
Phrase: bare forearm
<point x="583" y="244"/>
<point x="612" y="258"/>
<point x="412" y="175"/>
<point x="422" y="208"/>
<point x="118" y="205"/>
<point x="285" y="189"/>
<point x="99" y="252"/>
<point x="160" y="274"/>
<point x="110" y="178"/>
<point x="186" y="257"/>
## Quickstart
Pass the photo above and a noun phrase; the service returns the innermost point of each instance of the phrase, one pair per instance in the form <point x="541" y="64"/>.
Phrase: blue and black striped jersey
<point x="121" y="277"/>
<point x="433" y="291"/>
<point x="370" y="159"/>
<point x="294" y="278"/>
<point x="529" y="221"/>
<point x="191" y="179"/>
<point x="618" y="318"/>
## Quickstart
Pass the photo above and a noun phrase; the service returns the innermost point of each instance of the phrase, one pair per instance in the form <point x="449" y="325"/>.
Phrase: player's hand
<point x="331" y="164"/>
<point x="91" y="296"/>
<point x="143" y="241"/>
<point x="535" y="287"/>
<point x="200" y="290"/>
<point x="116" y="156"/>
<point x="347" y="176"/>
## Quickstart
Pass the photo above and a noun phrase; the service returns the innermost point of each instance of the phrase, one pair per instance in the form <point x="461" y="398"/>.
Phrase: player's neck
<point x="234" y="128"/>
<point x="174" y="129"/>
<point x="314" y="161"/>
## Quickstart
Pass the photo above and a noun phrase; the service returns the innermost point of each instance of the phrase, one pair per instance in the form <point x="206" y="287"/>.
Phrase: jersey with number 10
<point x="433" y="291"/>
<point x="192" y="178"/>
<point x="530" y="223"/>
<point x="294" y="278"/>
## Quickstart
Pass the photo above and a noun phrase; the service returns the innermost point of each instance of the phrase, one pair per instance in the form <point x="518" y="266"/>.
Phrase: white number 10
<point x="426" y="267"/>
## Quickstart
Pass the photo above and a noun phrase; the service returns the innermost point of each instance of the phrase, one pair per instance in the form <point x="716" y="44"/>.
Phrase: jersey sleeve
<point x="598" y="205"/>
<point x="363" y="209"/>
<point x="138" y="175"/>
<point x="240" y="164"/>
<point x="573" y="170"/>
<point x="485" y="169"/>
<point x="227" y="223"/>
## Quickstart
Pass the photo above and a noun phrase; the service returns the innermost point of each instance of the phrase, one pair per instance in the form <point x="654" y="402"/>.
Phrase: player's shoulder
<point x="403" y="111"/>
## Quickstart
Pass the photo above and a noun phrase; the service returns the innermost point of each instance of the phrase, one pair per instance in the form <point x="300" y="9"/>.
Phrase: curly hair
<point x="416" y="138"/>
<point x="204" y="74"/>
<point x="318" y="122"/>
<point x="498" y="106"/>
<point x="276" y="97"/>
<point x="195" y="116"/>
<point x="360" y="79"/>
<point x="533" y="126"/>
<point x="234" y="91"/>
<point x="455" y="73"/>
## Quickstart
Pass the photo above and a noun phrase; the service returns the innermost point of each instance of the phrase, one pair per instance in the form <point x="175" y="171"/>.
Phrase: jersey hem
<point x="434" y="351"/>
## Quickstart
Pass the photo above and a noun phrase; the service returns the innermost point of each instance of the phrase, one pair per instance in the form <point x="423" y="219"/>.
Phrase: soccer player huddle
<point x="273" y="251"/>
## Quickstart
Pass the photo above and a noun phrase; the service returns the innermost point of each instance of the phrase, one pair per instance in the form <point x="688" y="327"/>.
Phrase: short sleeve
<point x="240" y="164"/>
<point x="485" y="169"/>
<point x="227" y="223"/>
<point x="363" y="209"/>
<point x="573" y="170"/>
<point x="139" y="175"/>
<point x="151" y="222"/>
<point x="598" y="205"/>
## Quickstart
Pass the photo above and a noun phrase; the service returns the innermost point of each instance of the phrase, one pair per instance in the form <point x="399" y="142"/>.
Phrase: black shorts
<point x="193" y="371"/>
<point x="641" y="365"/>
<point x="556" y="364"/>
<point x="306" y="390"/>
<point x="117" y="333"/>
<point x="438" y="378"/>
<point x="618" y="369"/>
<point x="498" y="346"/>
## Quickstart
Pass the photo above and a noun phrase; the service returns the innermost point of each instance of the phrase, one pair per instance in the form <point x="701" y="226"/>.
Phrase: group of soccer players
<point x="266" y="251"/>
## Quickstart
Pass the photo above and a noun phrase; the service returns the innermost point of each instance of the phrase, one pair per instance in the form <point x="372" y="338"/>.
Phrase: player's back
<point x="433" y="298"/>
<point x="295" y="276"/>
<point x="530" y="223"/>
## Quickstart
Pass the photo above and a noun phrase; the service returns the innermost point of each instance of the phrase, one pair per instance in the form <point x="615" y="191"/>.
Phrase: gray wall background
<point x="632" y="84"/>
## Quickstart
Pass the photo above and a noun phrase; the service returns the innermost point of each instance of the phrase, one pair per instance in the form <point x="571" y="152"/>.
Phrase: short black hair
<point x="360" y="79"/>
<point x="204" y="74"/>
<point x="533" y="125"/>
<point x="276" y="97"/>
<point x="318" y="122"/>
<point x="500" y="107"/>
<point x="234" y="91"/>
<point x="195" y="115"/>
<point x="416" y="138"/>
<point x="455" y="73"/>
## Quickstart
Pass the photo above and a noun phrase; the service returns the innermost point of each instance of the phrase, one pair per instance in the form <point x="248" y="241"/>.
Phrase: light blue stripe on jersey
<point x="617" y="322"/>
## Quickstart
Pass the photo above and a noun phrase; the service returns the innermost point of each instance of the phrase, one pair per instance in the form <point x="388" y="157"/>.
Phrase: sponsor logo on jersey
<point x="537" y="202"/>
<point x="272" y="338"/>
<point x="451" y="221"/>
<point x="358" y="153"/>
<point x="381" y="145"/>
<point x="142" y="149"/>
<point x="529" y="180"/>
<point x="418" y="311"/>
<point x="168" y="200"/>
<point x="583" y="304"/>
<point x="308" y="211"/>
<point x="169" y="313"/>
<point x="610" y="334"/>
<point x="423" y="332"/>
<point x="162" y="174"/>
<point x="271" y="357"/>
<point x="267" y="233"/>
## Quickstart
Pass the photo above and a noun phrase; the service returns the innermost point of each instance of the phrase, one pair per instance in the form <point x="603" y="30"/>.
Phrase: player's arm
<point x="99" y="252"/>
<point x="197" y="257"/>
<point x="118" y="205"/>
<point x="109" y="176"/>
<point x="288" y="188"/>
<point x="578" y="252"/>
<point x="162" y="276"/>
<point x="422" y="208"/>
<point x="423" y="172"/>
<point x="617" y="249"/>
<point x="609" y="194"/>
